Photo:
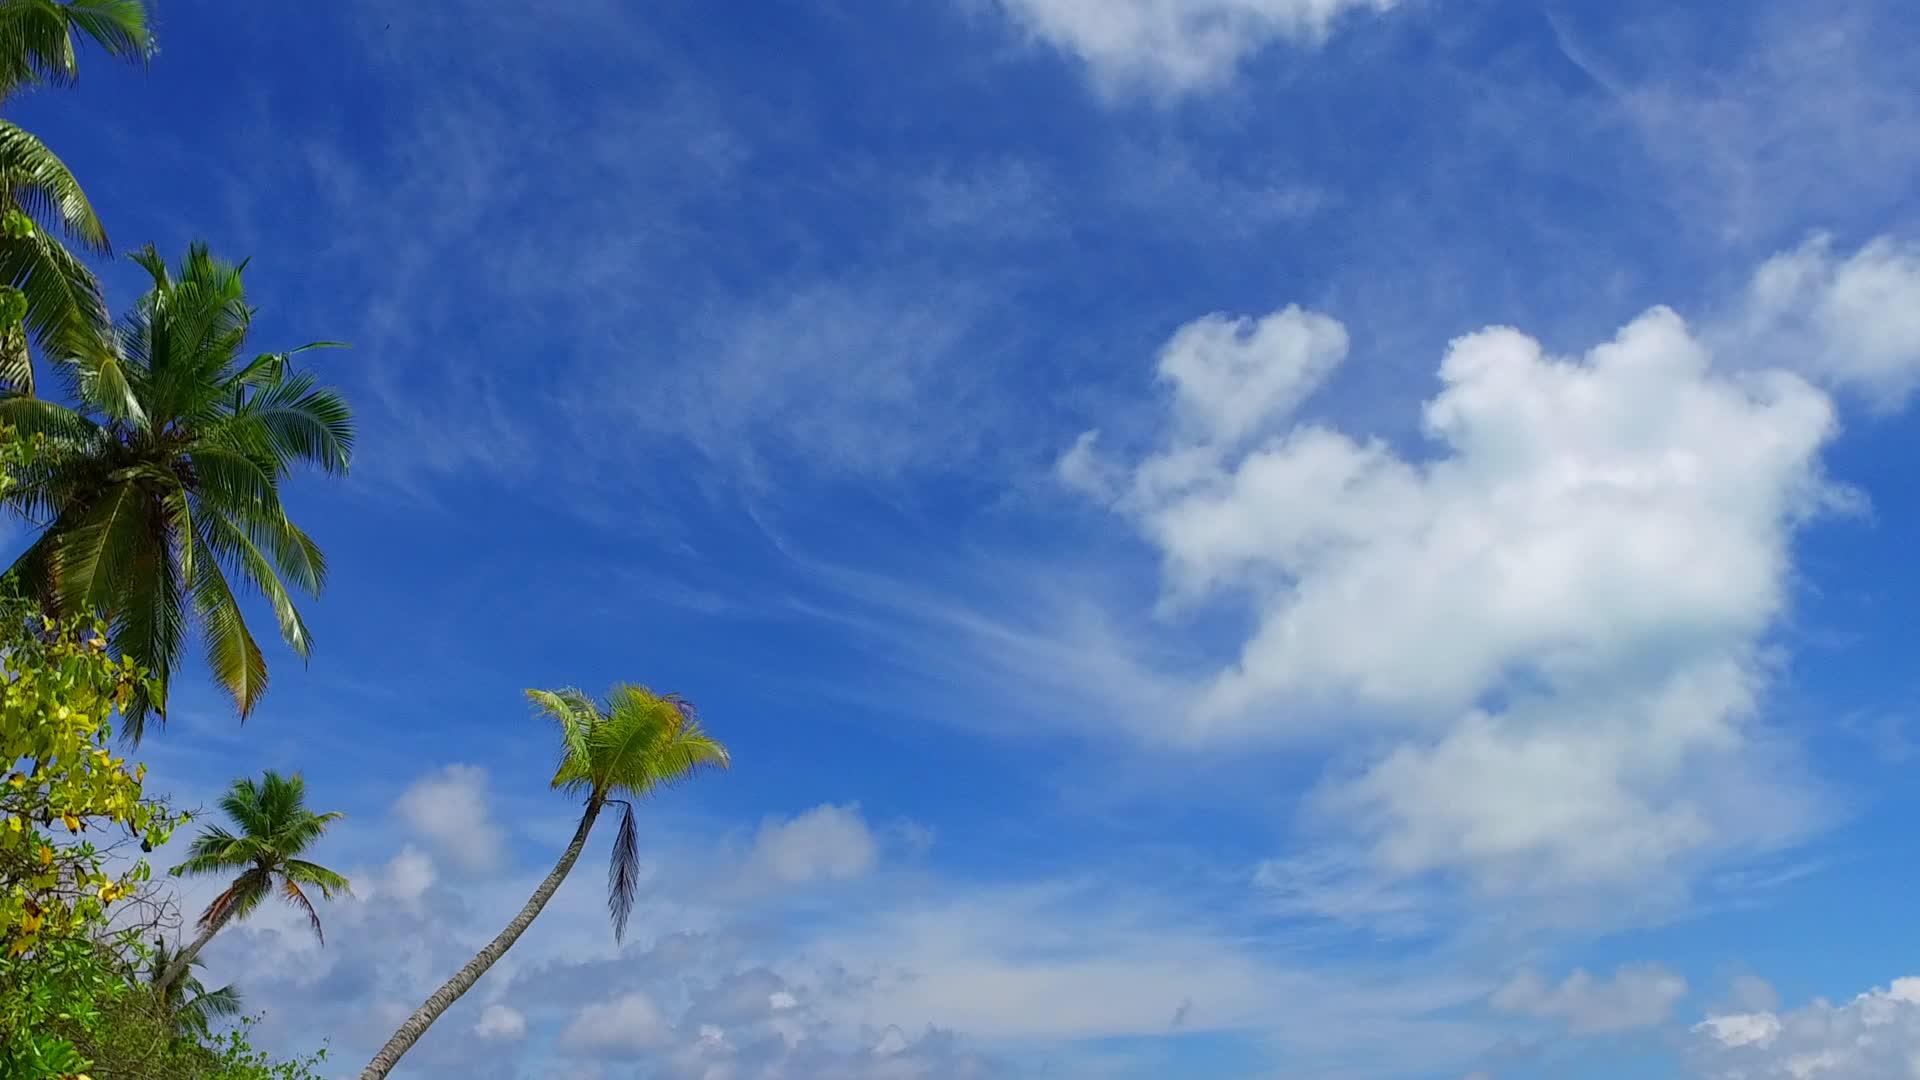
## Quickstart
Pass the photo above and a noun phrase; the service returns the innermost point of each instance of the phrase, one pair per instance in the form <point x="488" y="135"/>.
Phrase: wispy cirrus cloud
<point x="1177" y="46"/>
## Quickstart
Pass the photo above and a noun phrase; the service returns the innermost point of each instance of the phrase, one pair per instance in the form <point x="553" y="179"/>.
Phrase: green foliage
<point x="132" y="1041"/>
<point x="65" y="793"/>
<point x="625" y="748"/>
<point x="37" y="38"/>
<point x="60" y="990"/>
<point x="65" y="802"/>
<point x="84" y="1016"/>
<point x="163" y="489"/>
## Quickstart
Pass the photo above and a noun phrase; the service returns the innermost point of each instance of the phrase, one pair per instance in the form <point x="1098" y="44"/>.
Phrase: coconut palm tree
<point x="46" y="293"/>
<point x="274" y="828"/>
<point x="190" y="1006"/>
<point x="612" y="752"/>
<point x="164" y="485"/>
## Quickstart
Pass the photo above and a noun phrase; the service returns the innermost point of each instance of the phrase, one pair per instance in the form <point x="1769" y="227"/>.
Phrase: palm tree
<point x="275" y="826"/>
<point x="615" y="751"/>
<point x="190" y="1006"/>
<point x="45" y="292"/>
<point x="165" y="484"/>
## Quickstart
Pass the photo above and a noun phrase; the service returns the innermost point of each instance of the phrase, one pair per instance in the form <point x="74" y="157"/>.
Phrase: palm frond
<point x="575" y="713"/>
<point x="297" y="832"/>
<point x="291" y="890"/>
<point x="235" y="656"/>
<point x="328" y="882"/>
<point x="220" y="536"/>
<point x="204" y="1007"/>
<point x="100" y="376"/>
<point x="151" y="622"/>
<point x="37" y="180"/>
<point x="91" y="556"/>
<point x="36" y="38"/>
<point x="64" y="302"/>
<point x="31" y="416"/>
<point x="623" y="873"/>
<point x="649" y="740"/>
<point x="244" y="803"/>
<point x="305" y="421"/>
<point x="237" y="900"/>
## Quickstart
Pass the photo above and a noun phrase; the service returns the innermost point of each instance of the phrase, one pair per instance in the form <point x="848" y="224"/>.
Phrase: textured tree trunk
<point x="184" y="959"/>
<point x="463" y="980"/>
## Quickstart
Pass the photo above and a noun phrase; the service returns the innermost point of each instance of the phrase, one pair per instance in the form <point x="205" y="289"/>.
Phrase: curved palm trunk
<point x="463" y="980"/>
<point x="184" y="959"/>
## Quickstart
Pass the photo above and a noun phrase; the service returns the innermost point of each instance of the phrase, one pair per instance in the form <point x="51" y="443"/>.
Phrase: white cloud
<point x="406" y="877"/>
<point x="1852" y="322"/>
<point x="1176" y="45"/>
<point x="500" y="1022"/>
<point x="1876" y="1036"/>
<point x="1636" y="997"/>
<point x="629" y="1024"/>
<point x="449" y="808"/>
<point x="1558" y="612"/>
<point x="826" y="843"/>
<point x="1230" y="376"/>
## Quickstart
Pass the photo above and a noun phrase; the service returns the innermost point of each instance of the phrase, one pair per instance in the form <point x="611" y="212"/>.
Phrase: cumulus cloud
<point x="1635" y="997"/>
<point x="629" y="1024"/>
<point x="826" y="843"/>
<point x="406" y="877"/>
<point x="449" y="809"/>
<point x="1876" y="1036"/>
<point x="1231" y="375"/>
<point x="1850" y="321"/>
<point x="1176" y="46"/>
<point x="500" y="1022"/>
<point x="1557" y="612"/>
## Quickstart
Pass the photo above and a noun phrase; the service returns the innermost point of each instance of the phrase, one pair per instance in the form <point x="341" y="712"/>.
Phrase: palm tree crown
<point x="275" y="827"/>
<point x="186" y="1002"/>
<point x="633" y="743"/>
<point x="164" y="485"/>
<point x="272" y="828"/>
<point x="613" y="751"/>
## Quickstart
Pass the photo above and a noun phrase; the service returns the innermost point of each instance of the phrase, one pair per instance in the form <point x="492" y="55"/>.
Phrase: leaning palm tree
<point x="46" y="293"/>
<point x="164" y="485"/>
<point x="615" y="751"/>
<point x="274" y="828"/>
<point x="187" y="1004"/>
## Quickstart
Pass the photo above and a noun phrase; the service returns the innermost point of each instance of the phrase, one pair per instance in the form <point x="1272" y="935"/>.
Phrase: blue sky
<point x="1069" y="449"/>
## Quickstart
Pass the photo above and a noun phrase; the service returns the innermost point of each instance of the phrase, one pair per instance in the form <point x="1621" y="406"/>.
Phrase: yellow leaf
<point x="72" y="823"/>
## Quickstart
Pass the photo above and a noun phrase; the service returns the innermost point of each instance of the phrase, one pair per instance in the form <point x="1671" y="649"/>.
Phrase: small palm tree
<point x="45" y="292"/>
<point x="164" y="485"/>
<point x="615" y="751"/>
<point x="190" y="1006"/>
<point x="275" y="827"/>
